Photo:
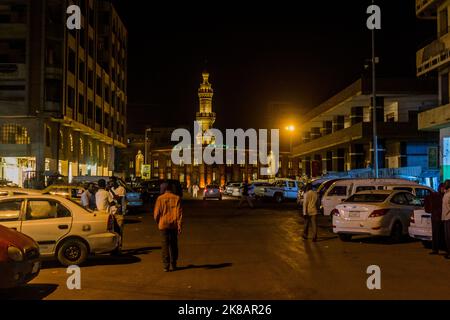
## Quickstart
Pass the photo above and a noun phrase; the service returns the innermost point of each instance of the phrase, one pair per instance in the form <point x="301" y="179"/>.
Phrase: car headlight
<point x="15" y="254"/>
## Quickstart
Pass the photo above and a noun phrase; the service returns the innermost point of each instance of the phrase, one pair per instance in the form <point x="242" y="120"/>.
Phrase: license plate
<point x="36" y="267"/>
<point x="354" y="214"/>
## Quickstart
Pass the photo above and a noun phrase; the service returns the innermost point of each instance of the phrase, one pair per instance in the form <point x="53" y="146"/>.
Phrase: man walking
<point x="310" y="211"/>
<point x="168" y="215"/>
<point x="245" y="197"/>
<point x="433" y="206"/>
<point x="446" y="216"/>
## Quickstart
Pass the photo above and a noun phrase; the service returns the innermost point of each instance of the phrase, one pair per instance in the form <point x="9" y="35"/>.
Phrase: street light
<point x="290" y="129"/>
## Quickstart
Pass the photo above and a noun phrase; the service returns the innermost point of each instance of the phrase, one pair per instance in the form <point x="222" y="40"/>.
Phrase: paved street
<point x="230" y="253"/>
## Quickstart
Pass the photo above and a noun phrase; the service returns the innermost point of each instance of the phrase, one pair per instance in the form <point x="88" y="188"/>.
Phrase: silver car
<point x="212" y="192"/>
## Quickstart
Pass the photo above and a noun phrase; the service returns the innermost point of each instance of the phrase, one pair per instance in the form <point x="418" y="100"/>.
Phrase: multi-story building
<point x="337" y="135"/>
<point x="63" y="93"/>
<point x="434" y="60"/>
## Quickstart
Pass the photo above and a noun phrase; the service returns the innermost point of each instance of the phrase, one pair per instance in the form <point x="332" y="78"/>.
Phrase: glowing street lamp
<point x="290" y="129"/>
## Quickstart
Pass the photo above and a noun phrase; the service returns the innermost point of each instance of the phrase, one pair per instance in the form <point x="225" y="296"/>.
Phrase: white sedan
<point x="420" y="227"/>
<point x="377" y="213"/>
<point x="63" y="229"/>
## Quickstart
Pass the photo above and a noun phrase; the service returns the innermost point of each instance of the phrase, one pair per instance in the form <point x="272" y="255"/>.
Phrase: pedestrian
<point x="245" y="196"/>
<point x="310" y="211"/>
<point x="168" y="214"/>
<point x="433" y="206"/>
<point x="195" y="189"/>
<point x="103" y="199"/>
<point x="88" y="197"/>
<point x="446" y="216"/>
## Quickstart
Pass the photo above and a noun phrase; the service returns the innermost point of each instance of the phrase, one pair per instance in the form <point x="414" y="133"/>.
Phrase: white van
<point x="342" y="189"/>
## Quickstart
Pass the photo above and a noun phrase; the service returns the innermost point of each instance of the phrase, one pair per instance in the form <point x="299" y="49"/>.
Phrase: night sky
<point x="296" y="51"/>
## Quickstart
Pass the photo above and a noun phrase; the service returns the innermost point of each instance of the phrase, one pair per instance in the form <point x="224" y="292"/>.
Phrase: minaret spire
<point x="205" y="116"/>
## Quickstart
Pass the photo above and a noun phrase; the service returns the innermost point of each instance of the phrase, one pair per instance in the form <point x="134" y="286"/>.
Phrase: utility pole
<point x="374" y="107"/>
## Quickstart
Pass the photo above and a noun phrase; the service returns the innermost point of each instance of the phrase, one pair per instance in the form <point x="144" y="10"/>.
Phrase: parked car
<point x="228" y="189"/>
<point x="19" y="258"/>
<point x="280" y="191"/>
<point x="377" y="213"/>
<point x="319" y="185"/>
<point x="420" y="226"/>
<point x="15" y="191"/>
<point x="418" y="190"/>
<point x="212" y="191"/>
<point x="62" y="228"/>
<point x="342" y="189"/>
<point x="68" y="191"/>
<point x="257" y="188"/>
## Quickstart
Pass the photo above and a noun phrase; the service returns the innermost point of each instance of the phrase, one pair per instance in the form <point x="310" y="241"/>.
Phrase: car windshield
<point x="212" y="187"/>
<point x="368" y="197"/>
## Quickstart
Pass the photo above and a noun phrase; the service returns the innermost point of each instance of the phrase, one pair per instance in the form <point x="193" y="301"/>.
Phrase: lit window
<point x="169" y="163"/>
<point x="155" y="164"/>
<point x="14" y="134"/>
<point x="61" y="140"/>
<point x="81" y="146"/>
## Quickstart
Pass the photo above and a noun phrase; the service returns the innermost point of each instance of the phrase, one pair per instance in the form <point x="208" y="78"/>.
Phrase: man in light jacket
<point x="168" y="215"/>
<point x="310" y="211"/>
<point x="446" y="216"/>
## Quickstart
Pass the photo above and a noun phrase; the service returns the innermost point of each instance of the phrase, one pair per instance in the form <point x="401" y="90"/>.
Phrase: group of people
<point x="438" y="205"/>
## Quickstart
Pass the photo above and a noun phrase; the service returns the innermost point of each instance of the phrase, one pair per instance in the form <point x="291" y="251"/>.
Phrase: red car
<point x="19" y="258"/>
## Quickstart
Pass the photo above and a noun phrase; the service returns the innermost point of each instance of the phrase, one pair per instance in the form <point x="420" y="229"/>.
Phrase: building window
<point x="131" y="164"/>
<point x="71" y="97"/>
<point x="104" y="153"/>
<point x="81" y="104"/>
<point x="14" y="134"/>
<point x="98" y="115"/>
<point x="72" y="61"/>
<point x="99" y="86"/>
<point x="443" y="22"/>
<point x="81" y="71"/>
<point x="290" y="164"/>
<point x="91" y="150"/>
<point x="90" y="79"/>
<point x="47" y="137"/>
<point x="155" y="163"/>
<point x="169" y="163"/>
<point x="445" y="96"/>
<point x="90" y="110"/>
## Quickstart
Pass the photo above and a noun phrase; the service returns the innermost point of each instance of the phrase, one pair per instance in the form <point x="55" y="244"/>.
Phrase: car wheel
<point x="278" y="198"/>
<point x="72" y="252"/>
<point x="345" y="237"/>
<point x="396" y="232"/>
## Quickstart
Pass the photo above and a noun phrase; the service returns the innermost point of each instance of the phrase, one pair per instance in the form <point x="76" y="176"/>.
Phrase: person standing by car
<point x="245" y="197"/>
<point x="310" y="211"/>
<point x="103" y="199"/>
<point x="446" y="216"/>
<point x="168" y="214"/>
<point x="433" y="206"/>
<point x="88" y="197"/>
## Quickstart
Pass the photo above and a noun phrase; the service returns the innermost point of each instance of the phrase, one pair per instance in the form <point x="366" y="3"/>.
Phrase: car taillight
<point x="412" y="219"/>
<point x="335" y="212"/>
<point x="110" y="226"/>
<point x="378" y="213"/>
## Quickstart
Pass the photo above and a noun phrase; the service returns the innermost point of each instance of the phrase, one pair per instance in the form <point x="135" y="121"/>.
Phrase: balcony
<point x="13" y="71"/>
<point x="433" y="56"/>
<point x="427" y="9"/>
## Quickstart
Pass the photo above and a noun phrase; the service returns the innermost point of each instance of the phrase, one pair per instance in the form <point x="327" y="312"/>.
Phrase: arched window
<point x="61" y="140"/>
<point x="71" y="142"/>
<point x="14" y="134"/>
<point x="81" y="146"/>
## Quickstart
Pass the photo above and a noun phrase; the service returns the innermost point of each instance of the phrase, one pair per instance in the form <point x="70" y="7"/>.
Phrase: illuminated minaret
<point x="205" y="116"/>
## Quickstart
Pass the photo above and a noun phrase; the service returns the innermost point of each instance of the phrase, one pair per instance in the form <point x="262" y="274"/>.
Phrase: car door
<point x="10" y="213"/>
<point x="291" y="190"/>
<point x="404" y="208"/>
<point x="46" y="221"/>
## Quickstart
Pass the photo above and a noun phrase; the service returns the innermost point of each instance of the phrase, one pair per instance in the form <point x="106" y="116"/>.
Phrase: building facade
<point x="434" y="61"/>
<point x="337" y="135"/>
<point x="63" y="92"/>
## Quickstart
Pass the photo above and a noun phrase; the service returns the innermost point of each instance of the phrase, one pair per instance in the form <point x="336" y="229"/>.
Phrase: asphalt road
<point x="231" y="253"/>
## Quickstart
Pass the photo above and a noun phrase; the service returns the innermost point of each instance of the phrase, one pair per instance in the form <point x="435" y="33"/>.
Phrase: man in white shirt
<point x="103" y="198"/>
<point x="88" y="200"/>
<point x="446" y="216"/>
